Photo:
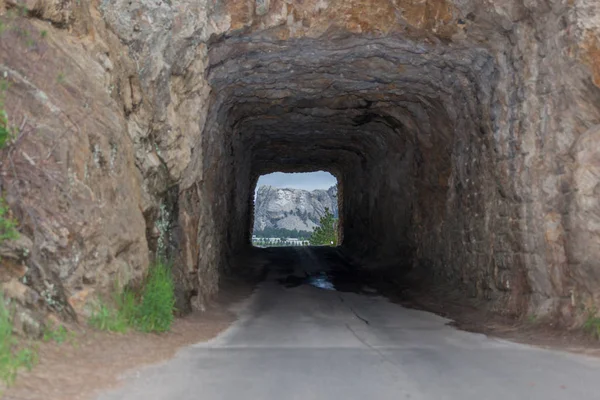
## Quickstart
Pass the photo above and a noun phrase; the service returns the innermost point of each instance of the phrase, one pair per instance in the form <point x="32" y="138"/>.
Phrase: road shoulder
<point x="92" y="361"/>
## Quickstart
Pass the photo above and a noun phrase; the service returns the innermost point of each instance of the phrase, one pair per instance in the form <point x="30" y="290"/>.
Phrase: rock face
<point x="292" y="208"/>
<point x="463" y="134"/>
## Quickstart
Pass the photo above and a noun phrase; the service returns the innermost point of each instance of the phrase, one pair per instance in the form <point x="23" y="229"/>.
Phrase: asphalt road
<point x="299" y="339"/>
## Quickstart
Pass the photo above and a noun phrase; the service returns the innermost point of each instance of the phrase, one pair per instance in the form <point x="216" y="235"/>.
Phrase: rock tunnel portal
<point x="411" y="132"/>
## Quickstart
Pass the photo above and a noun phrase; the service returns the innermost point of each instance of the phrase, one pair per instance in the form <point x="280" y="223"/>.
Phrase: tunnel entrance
<point x="401" y="128"/>
<point x="296" y="209"/>
<point x="425" y="147"/>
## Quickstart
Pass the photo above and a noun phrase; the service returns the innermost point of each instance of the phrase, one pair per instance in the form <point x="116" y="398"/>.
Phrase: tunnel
<point x="407" y="129"/>
<point x="440" y="185"/>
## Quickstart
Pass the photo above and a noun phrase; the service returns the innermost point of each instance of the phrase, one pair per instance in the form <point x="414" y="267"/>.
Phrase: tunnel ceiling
<point x="339" y="100"/>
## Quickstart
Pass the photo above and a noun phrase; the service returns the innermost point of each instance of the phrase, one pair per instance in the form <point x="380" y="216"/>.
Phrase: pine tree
<point x="326" y="232"/>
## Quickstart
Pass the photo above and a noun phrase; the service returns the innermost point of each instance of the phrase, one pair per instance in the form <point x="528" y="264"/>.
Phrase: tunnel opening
<point x="405" y="128"/>
<point x="295" y="209"/>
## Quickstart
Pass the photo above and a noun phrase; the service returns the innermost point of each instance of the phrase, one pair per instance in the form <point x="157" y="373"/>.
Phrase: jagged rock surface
<point x="292" y="208"/>
<point x="463" y="134"/>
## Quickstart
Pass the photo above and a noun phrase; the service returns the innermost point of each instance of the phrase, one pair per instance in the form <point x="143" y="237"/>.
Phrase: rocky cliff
<point x="465" y="135"/>
<point x="292" y="208"/>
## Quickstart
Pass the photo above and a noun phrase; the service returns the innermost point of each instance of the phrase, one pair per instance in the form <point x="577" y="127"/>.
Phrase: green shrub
<point x="150" y="311"/>
<point x="11" y="359"/>
<point x="155" y="312"/>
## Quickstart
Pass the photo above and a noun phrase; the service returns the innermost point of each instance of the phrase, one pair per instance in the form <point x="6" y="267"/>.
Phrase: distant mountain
<point x="292" y="209"/>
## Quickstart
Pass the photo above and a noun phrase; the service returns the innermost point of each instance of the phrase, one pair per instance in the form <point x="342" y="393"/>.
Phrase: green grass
<point x="11" y="358"/>
<point x="8" y="227"/>
<point x="155" y="312"/>
<point x="150" y="310"/>
<point x="127" y="305"/>
<point x="592" y="325"/>
<point x="108" y="318"/>
<point x="6" y="130"/>
<point x="58" y="335"/>
<point x="117" y="315"/>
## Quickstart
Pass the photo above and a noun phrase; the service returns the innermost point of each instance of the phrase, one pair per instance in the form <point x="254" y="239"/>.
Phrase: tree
<point x="326" y="233"/>
<point x="270" y="232"/>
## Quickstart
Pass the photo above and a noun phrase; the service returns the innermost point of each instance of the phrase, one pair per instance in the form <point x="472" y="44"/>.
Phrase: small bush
<point x="150" y="311"/>
<point x="155" y="312"/>
<point x="11" y="359"/>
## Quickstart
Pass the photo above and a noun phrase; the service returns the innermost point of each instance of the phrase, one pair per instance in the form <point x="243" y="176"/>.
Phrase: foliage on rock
<point x="108" y="318"/>
<point x="6" y="130"/>
<point x="11" y="357"/>
<point x="8" y="229"/>
<point x="58" y="334"/>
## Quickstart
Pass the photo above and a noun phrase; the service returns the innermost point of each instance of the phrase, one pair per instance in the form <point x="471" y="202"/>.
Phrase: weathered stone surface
<point x="463" y="134"/>
<point x="69" y="176"/>
<point x="13" y="256"/>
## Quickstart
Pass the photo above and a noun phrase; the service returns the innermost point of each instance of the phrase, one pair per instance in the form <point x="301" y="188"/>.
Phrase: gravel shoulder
<point x="91" y="361"/>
